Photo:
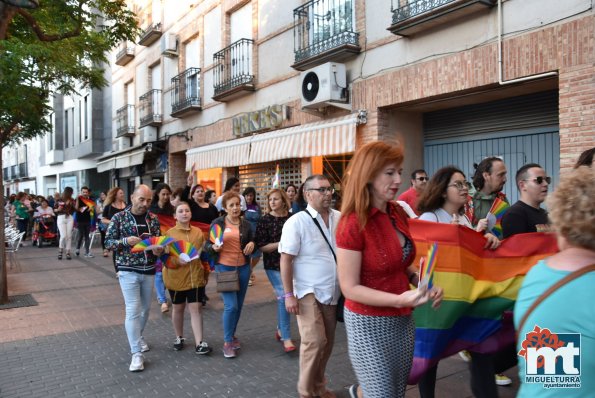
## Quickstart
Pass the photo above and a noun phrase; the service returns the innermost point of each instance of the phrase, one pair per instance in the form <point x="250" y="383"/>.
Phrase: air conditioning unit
<point x="169" y="45"/>
<point x="324" y="85"/>
<point x="121" y="143"/>
<point x="148" y="134"/>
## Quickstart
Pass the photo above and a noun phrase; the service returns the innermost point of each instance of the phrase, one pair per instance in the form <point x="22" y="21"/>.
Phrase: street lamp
<point x="22" y="3"/>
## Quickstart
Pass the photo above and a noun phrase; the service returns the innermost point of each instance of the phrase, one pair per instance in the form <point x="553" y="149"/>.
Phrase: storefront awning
<point x="124" y="160"/>
<point x="328" y="137"/>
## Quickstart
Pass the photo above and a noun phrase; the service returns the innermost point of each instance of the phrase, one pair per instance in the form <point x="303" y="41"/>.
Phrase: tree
<point x="56" y="46"/>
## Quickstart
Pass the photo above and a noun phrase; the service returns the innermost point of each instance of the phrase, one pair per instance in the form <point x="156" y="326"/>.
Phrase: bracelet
<point x="287" y="295"/>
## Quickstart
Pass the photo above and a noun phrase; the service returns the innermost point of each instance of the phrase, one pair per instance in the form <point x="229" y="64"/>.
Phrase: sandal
<point x="59" y="255"/>
<point x="68" y="257"/>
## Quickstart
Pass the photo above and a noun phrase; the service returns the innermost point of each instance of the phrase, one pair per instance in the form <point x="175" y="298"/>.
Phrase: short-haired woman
<point x="569" y="309"/>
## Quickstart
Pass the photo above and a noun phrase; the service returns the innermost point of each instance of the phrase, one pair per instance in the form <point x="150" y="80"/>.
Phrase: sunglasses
<point x="539" y="180"/>
<point x="323" y="190"/>
<point x="422" y="178"/>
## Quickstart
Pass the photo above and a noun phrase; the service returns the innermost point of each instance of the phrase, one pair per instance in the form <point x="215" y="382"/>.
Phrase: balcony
<point x="7" y="173"/>
<point x="125" y="121"/>
<point x="125" y="53"/>
<point x="233" y="71"/>
<point x="324" y="30"/>
<point x="413" y="16"/>
<point x="150" y="35"/>
<point x="54" y="156"/>
<point x="15" y="172"/>
<point x="185" y="96"/>
<point x="150" y="112"/>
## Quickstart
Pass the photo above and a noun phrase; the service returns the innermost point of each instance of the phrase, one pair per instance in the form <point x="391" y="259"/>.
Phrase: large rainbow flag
<point x="167" y="222"/>
<point x="479" y="285"/>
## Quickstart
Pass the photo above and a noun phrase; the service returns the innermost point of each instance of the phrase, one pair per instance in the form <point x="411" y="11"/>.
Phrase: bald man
<point x="137" y="270"/>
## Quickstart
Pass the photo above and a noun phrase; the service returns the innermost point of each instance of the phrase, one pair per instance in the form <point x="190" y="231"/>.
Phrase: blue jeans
<point x="137" y="290"/>
<point x="283" y="321"/>
<point x="233" y="301"/>
<point x="160" y="288"/>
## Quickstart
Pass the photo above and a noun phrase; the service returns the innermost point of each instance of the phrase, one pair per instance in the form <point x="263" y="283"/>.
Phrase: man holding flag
<point x="85" y="219"/>
<point x="488" y="180"/>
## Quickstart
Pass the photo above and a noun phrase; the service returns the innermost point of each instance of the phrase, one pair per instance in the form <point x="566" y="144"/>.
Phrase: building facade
<point x="237" y="87"/>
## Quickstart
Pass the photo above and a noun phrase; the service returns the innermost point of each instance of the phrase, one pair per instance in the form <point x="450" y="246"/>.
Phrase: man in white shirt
<point x="309" y="275"/>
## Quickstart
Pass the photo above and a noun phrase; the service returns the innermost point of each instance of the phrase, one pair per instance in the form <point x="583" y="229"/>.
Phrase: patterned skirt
<point x="381" y="352"/>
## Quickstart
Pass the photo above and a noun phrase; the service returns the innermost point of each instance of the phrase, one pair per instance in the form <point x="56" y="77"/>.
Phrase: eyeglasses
<point x="539" y="180"/>
<point x="461" y="186"/>
<point x="323" y="190"/>
<point x="422" y="178"/>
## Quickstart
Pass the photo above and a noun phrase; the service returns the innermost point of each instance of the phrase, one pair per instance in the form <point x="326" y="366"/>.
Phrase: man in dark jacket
<point x="137" y="270"/>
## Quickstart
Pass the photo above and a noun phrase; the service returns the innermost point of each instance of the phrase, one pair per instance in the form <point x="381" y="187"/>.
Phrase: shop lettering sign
<point x="264" y="119"/>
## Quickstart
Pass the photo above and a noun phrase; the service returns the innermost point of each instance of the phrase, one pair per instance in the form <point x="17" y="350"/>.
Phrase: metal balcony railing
<point x="125" y="121"/>
<point x="412" y="16"/>
<point x="125" y="53"/>
<point x="233" y="68"/>
<point x="150" y="112"/>
<point x="323" y="25"/>
<point x="185" y="96"/>
<point x="150" y="35"/>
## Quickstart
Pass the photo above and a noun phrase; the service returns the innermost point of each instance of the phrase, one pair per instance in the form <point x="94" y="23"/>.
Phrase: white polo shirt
<point x="314" y="267"/>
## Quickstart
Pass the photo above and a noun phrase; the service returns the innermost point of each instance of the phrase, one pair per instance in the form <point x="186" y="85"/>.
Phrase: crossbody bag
<point x="341" y="302"/>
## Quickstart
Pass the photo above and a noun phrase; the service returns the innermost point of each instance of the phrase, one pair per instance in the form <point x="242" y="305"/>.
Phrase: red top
<point x="410" y="197"/>
<point x="382" y="266"/>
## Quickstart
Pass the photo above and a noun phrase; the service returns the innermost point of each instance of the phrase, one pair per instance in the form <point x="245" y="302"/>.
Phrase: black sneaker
<point x="77" y="252"/>
<point x="203" y="348"/>
<point x="179" y="343"/>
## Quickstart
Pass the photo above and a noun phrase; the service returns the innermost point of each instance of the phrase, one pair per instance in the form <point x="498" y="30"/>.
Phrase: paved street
<point x="73" y="343"/>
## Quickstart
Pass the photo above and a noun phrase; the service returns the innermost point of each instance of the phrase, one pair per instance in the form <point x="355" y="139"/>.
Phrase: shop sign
<point x="264" y="119"/>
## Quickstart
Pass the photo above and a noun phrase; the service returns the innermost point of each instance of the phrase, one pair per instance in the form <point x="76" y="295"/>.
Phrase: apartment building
<point x="19" y="163"/>
<point x="237" y="87"/>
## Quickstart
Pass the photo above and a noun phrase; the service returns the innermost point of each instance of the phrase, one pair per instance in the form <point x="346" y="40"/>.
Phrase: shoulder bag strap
<point x="568" y="278"/>
<point x="323" y="235"/>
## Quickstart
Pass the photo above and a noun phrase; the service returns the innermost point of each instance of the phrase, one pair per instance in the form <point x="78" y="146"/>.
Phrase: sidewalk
<point x="73" y="343"/>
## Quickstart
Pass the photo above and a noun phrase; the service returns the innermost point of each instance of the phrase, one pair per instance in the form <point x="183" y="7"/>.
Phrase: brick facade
<point x="568" y="48"/>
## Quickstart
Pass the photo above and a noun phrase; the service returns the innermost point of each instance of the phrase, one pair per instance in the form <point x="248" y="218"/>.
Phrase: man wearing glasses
<point x="309" y="275"/>
<point x="419" y="180"/>
<point x="526" y="215"/>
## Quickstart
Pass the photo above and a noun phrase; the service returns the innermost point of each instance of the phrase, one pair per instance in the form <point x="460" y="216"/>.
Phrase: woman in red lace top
<point x="374" y="255"/>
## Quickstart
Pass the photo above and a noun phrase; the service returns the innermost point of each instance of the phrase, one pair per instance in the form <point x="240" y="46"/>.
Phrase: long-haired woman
<point x="268" y="235"/>
<point x="64" y="208"/>
<point x="113" y="204"/>
<point x="375" y="252"/>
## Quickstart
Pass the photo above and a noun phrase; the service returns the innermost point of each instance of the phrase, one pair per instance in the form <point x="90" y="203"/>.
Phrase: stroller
<point x="43" y="231"/>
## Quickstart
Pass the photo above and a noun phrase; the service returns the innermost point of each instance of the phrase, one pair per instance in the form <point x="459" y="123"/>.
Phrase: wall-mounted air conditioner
<point x="169" y="45"/>
<point x="148" y="134"/>
<point x="121" y="143"/>
<point x="324" y="85"/>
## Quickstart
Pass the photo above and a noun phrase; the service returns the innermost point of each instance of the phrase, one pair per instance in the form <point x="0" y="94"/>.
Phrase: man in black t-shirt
<point x="526" y="215"/>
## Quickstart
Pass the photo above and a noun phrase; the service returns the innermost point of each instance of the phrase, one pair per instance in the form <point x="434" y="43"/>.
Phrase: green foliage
<point x="59" y="47"/>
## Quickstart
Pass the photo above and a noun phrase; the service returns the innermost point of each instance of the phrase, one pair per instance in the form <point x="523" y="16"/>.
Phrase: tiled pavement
<point x="73" y="343"/>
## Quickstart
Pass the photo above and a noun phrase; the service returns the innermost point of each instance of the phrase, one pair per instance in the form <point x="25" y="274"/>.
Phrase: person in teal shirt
<point x="570" y="309"/>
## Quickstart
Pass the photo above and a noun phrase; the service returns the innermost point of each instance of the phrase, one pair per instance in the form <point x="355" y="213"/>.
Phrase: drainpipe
<point x="501" y="63"/>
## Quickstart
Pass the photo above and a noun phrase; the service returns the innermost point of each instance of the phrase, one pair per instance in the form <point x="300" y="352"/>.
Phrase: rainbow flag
<point x="495" y="215"/>
<point x="479" y="285"/>
<point x="277" y="177"/>
<point x="167" y="222"/>
<point x="91" y="205"/>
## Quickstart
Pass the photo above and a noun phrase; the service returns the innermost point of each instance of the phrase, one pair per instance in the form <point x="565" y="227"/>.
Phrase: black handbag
<point x="228" y="281"/>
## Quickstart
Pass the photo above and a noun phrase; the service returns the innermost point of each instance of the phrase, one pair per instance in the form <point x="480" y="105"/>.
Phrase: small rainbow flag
<point x="277" y="177"/>
<point x="184" y="250"/>
<point x="495" y="215"/>
<point x="427" y="267"/>
<point x="91" y="205"/>
<point x="216" y="234"/>
<point x="152" y="243"/>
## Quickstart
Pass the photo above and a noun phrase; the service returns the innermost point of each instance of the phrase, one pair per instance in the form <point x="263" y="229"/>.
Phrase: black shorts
<point x="187" y="296"/>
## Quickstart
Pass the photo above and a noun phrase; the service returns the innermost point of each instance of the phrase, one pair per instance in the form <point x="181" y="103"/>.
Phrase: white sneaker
<point x="502" y="380"/>
<point x="144" y="347"/>
<point x="138" y="363"/>
<point x="465" y="356"/>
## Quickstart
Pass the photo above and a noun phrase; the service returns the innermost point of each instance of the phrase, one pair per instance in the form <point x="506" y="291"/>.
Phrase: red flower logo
<point x="539" y="338"/>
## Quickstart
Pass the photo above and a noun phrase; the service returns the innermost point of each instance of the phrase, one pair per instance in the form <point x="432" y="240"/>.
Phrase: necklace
<point x="232" y="223"/>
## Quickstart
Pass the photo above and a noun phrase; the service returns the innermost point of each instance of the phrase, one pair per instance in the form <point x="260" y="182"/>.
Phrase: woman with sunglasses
<point x="443" y="201"/>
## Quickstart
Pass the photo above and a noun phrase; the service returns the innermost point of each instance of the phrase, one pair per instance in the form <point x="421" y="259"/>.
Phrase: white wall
<point x="276" y="14"/>
<point x="275" y="57"/>
<point x="212" y="35"/>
